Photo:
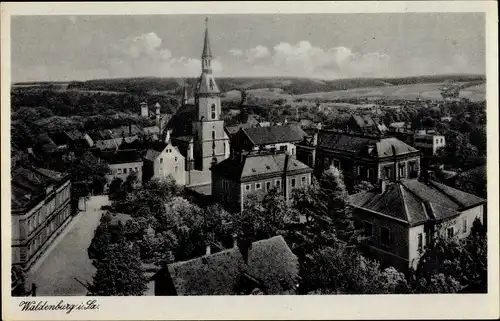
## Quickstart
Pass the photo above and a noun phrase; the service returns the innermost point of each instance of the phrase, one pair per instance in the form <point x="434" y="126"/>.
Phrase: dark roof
<point x="233" y="129"/>
<point x="357" y="144"/>
<point x="254" y="164"/>
<point x="28" y="184"/>
<point x="121" y="156"/>
<point x="416" y="202"/>
<point x="271" y="261"/>
<point x="274" y="134"/>
<point x="181" y="122"/>
<point x="74" y="134"/>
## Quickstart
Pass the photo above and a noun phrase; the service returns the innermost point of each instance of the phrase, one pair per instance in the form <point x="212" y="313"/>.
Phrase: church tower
<point x="211" y="143"/>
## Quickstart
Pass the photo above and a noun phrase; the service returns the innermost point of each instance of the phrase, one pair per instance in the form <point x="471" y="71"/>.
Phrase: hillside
<point x="289" y="85"/>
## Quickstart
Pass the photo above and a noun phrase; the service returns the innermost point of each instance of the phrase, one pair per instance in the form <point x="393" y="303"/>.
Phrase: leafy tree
<point x="119" y="272"/>
<point x="18" y="279"/>
<point x="261" y="219"/>
<point x="115" y="188"/>
<point x="337" y="269"/>
<point x="451" y="265"/>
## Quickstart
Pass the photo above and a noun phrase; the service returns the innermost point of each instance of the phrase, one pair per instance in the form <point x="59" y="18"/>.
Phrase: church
<point x="197" y="130"/>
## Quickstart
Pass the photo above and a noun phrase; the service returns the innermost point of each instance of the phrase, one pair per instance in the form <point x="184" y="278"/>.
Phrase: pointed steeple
<point x="207" y="52"/>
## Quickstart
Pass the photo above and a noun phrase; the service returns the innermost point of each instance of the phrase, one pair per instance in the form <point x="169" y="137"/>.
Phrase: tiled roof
<point x="359" y="144"/>
<point x="259" y="164"/>
<point x="29" y="183"/>
<point x="274" y="134"/>
<point x="416" y="202"/>
<point x="271" y="261"/>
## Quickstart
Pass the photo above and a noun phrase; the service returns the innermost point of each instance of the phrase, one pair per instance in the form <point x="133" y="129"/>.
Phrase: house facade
<point x="241" y="175"/>
<point x="122" y="163"/>
<point x="360" y="157"/>
<point x="163" y="160"/>
<point x="428" y="143"/>
<point x="40" y="211"/>
<point x="400" y="219"/>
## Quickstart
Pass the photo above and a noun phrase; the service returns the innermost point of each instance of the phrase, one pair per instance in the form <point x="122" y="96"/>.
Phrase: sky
<point x="325" y="46"/>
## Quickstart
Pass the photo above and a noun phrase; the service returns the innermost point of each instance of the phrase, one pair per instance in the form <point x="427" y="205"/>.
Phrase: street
<point x="68" y="259"/>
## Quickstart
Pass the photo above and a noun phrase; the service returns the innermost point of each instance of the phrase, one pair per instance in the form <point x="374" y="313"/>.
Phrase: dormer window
<point x="211" y="84"/>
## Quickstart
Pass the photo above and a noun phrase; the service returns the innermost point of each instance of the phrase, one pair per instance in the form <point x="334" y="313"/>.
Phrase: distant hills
<point x="290" y="85"/>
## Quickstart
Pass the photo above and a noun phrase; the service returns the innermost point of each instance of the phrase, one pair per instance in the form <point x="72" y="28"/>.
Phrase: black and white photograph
<point x="231" y="154"/>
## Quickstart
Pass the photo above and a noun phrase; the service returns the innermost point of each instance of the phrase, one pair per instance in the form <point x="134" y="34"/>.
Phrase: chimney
<point x="235" y="241"/>
<point x="207" y="250"/>
<point x="167" y="135"/>
<point x="382" y="185"/>
<point x="245" y="245"/>
<point x="315" y="139"/>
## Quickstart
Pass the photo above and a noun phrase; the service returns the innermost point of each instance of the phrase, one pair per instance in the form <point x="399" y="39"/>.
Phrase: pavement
<point x="67" y="258"/>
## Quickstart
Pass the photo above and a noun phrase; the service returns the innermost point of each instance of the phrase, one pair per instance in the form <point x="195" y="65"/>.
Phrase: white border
<point x="266" y="307"/>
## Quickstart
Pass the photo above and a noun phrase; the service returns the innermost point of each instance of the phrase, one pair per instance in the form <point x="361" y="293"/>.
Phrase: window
<point x="293" y="182"/>
<point x="401" y="171"/>
<point x="124" y="171"/>
<point x="176" y="169"/>
<point x="161" y="160"/>
<point x="268" y="186"/>
<point x="326" y="161"/>
<point x="278" y="183"/>
<point x="213" y="111"/>
<point x="385" y="236"/>
<point x="175" y="158"/>
<point x="450" y="232"/>
<point x="213" y="134"/>
<point x="369" y="173"/>
<point x="367" y="229"/>
<point x="258" y="186"/>
<point x="119" y="170"/>
<point x="464" y="226"/>
<point x="283" y="148"/>
<point x="136" y="169"/>
<point x="303" y="180"/>
<point x="387" y="171"/>
<point x="336" y="163"/>
<point x="213" y="115"/>
<point x="420" y="241"/>
<point x="247" y="187"/>
<point x="225" y="185"/>
<point x="130" y="170"/>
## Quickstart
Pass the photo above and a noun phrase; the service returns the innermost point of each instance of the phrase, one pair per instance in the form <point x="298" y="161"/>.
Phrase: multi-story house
<point x="428" y="142"/>
<point x="40" y="211"/>
<point x="122" y="163"/>
<point x="162" y="160"/>
<point x="400" y="219"/>
<point x="360" y="157"/>
<point x="236" y="177"/>
<point x="272" y="138"/>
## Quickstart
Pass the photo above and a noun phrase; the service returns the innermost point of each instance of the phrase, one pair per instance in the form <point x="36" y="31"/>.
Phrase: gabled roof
<point x="274" y="134"/>
<point x="270" y="261"/>
<point x="259" y="164"/>
<point x="416" y="202"/>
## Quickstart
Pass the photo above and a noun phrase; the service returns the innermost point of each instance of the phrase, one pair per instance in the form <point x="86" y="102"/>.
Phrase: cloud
<point x="236" y="52"/>
<point x="146" y="55"/>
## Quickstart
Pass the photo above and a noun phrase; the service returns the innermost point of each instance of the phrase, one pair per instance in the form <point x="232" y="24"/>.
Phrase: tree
<point x="264" y="216"/>
<point x="451" y="265"/>
<point x="333" y="194"/>
<point x="119" y="272"/>
<point x="337" y="269"/>
<point x="115" y="188"/>
<point x="18" y="278"/>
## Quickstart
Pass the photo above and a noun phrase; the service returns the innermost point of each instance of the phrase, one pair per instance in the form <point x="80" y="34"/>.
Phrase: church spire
<point x="185" y="94"/>
<point x="207" y="52"/>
